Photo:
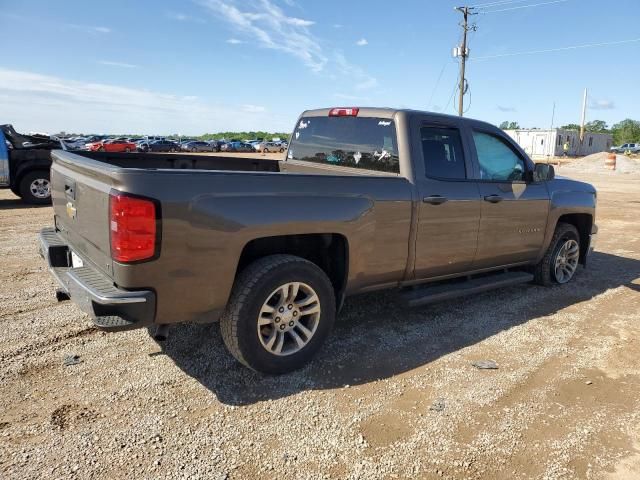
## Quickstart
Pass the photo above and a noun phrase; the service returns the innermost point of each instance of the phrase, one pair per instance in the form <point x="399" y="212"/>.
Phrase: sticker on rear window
<point x="303" y="124"/>
<point x="382" y="123"/>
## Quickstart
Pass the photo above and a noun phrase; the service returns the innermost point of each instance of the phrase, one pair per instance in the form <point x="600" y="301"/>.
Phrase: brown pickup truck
<point x="432" y="205"/>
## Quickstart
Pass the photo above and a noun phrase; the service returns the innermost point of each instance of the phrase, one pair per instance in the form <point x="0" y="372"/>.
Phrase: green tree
<point x="506" y="125"/>
<point x="626" y="131"/>
<point x="571" y="126"/>
<point x="597" y="126"/>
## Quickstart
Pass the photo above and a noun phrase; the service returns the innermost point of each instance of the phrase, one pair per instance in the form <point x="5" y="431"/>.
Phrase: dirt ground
<point x="392" y="395"/>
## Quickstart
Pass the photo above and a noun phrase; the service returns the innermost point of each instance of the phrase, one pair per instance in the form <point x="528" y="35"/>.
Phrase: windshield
<point x="357" y="142"/>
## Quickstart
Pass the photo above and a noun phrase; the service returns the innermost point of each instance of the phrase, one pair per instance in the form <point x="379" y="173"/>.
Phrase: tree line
<point x="626" y="131"/>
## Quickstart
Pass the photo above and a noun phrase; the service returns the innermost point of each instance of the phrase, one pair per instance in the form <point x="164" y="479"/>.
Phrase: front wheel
<point x="560" y="262"/>
<point x="280" y="312"/>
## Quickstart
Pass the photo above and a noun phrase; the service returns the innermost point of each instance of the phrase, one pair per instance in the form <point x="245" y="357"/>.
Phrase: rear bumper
<point x="111" y="308"/>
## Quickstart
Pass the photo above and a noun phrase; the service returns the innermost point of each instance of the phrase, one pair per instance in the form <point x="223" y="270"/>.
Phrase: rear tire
<point x="35" y="188"/>
<point x="550" y="270"/>
<point x="252" y="326"/>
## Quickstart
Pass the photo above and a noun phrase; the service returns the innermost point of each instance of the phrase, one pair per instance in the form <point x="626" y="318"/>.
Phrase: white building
<point x="549" y="143"/>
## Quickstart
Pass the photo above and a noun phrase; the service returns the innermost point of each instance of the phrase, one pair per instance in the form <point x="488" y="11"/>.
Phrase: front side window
<point x="498" y="162"/>
<point x="356" y="142"/>
<point x="442" y="153"/>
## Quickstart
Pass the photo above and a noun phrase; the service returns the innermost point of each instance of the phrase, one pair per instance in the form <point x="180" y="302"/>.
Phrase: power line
<point x="497" y="4"/>
<point x="560" y="49"/>
<point x="437" y="84"/>
<point x="523" y="6"/>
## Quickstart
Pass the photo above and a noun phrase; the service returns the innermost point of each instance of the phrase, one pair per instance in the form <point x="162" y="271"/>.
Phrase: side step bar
<point x="447" y="291"/>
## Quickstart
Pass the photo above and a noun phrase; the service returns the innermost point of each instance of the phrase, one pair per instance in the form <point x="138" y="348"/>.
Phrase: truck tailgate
<point x="80" y="195"/>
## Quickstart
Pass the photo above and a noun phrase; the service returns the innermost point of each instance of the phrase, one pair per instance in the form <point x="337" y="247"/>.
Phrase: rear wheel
<point x="35" y="187"/>
<point x="560" y="262"/>
<point x="127" y="150"/>
<point x="281" y="150"/>
<point x="280" y="312"/>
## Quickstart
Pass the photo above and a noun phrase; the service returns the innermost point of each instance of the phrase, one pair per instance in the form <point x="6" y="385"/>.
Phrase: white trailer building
<point x="549" y="143"/>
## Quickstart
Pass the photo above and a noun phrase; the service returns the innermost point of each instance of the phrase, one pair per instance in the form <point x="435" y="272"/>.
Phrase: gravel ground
<point x="393" y="394"/>
<point x="595" y="164"/>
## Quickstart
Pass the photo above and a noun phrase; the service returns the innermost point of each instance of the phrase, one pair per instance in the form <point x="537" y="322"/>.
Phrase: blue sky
<point x="200" y="66"/>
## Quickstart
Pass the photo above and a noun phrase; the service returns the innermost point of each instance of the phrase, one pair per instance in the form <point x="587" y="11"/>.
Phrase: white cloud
<point x="234" y="41"/>
<point x="117" y="64"/>
<point x="253" y="108"/>
<point x="267" y="24"/>
<point x="359" y="79"/>
<point x="337" y="25"/>
<point x="35" y="102"/>
<point x="89" y="28"/>
<point x="601" y="104"/>
<point x="351" y="98"/>
<point x="362" y="42"/>
<point x="183" y="17"/>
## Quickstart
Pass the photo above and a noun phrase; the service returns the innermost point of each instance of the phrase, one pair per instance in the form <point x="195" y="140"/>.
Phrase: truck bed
<point x="181" y="161"/>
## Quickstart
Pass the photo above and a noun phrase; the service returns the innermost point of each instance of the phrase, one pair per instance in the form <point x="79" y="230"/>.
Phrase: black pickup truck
<point x="366" y="199"/>
<point x="25" y="161"/>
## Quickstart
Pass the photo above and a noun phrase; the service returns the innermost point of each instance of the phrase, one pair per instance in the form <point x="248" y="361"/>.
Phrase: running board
<point x="447" y="291"/>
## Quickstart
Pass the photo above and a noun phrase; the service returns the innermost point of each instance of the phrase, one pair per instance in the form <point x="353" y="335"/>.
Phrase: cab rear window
<point x="357" y="142"/>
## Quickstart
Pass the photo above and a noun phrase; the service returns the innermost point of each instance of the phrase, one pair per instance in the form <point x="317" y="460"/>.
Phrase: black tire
<point x="194" y="150"/>
<point x="265" y="150"/>
<point x="101" y="149"/>
<point x="544" y="271"/>
<point x="252" y="288"/>
<point x="25" y="187"/>
<point x="127" y="150"/>
<point x="281" y="150"/>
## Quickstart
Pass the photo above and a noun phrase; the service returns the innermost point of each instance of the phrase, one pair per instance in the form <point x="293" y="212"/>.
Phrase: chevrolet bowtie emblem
<point x="71" y="210"/>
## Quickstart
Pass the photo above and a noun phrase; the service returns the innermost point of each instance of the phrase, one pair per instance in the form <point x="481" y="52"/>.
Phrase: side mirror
<point x="543" y="172"/>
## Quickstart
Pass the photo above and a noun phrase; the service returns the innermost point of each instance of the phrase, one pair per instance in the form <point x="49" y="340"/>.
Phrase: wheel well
<point x="329" y="251"/>
<point x="583" y="223"/>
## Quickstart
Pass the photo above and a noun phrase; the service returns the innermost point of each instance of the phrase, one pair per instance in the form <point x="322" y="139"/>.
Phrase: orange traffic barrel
<point x="610" y="161"/>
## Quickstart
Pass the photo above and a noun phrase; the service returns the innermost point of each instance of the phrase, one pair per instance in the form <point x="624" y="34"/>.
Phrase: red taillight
<point x="132" y="227"/>
<point x="344" y="112"/>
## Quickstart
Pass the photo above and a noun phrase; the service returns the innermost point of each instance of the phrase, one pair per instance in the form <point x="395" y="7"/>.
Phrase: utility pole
<point x="463" y="53"/>
<point x="584" y="115"/>
<point x="553" y="114"/>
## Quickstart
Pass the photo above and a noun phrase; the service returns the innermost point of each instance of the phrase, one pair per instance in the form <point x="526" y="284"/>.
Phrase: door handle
<point x="493" y="198"/>
<point x="435" y="199"/>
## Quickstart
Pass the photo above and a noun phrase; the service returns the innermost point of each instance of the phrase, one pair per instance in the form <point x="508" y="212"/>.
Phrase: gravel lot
<point x="392" y="395"/>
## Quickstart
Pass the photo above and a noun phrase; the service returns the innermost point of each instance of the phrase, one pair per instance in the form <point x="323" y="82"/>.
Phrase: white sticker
<point x="382" y="123"/>
<point x="303" y="124"/>
<point x="357" y="156"/>
<point x="297" y="135"/>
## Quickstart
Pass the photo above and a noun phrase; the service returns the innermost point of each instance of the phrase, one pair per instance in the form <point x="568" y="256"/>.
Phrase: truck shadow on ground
<point x="374" y="338"/>
<point x="17" y="203"/>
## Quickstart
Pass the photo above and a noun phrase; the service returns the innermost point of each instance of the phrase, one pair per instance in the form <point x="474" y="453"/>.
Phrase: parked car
<point x="74" y="143"/>
<point x="159" y="146"/>
<point x="627" y="147"/>
<point x="237" y="147"/>
<point x="216" y="145"/>
<point x="197" y="146"/>
<point x="267" y="147"/>
<point x="113" y="146"/>
<point x="367" y="199"/>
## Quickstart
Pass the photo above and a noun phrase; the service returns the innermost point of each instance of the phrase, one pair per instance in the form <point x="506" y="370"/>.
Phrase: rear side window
<point x="498" y="162"/>
<point x="356" y="142"/>
<point x="442" y="153"/>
